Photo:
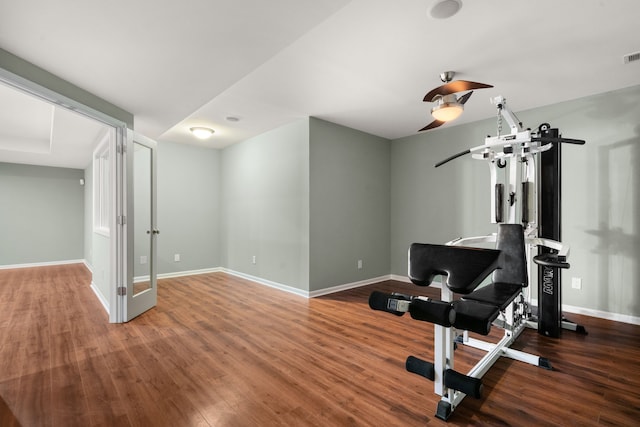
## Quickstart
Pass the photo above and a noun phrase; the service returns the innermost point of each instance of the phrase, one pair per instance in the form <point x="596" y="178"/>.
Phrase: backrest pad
<point x="513" y="264"/>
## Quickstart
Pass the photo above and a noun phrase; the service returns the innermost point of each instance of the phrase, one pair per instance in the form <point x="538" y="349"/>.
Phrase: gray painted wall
<point x="41" y="214"/>
<point x="265" y="206"/>
<point x="436" y="205"/>
<point x="349" y="205"/>
<point x="600" y="200"/>
<point x="306" y="198"/>
<point x="188" y="207"/>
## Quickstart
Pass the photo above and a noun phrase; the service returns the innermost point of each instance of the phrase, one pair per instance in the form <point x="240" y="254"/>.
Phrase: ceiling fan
<point x="447" y="105"/>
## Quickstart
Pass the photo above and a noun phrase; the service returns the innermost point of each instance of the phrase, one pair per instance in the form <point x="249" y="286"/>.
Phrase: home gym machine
<point x="504" y="302"/>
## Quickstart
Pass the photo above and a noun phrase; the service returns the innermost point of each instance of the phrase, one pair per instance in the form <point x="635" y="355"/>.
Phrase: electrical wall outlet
<point x="359" y="264"/>
<point x="253" y="259"/>
<point x="576" y="283"/>
<point x="143" y="259"/>
<point x="176" y="257"/>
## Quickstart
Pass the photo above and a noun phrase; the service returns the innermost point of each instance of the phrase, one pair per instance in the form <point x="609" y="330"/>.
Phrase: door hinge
<point x="121" y="148"/>
<point x="121" y="220"/>
<point x="122" y="290"/>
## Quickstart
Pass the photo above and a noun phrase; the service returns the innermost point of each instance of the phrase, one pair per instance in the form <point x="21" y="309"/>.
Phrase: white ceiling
<point x="365" y="64"/>
<point x="35" y="132"/>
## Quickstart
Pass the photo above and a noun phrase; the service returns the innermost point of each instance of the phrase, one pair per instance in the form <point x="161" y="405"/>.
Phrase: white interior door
<point x="141" y="225"/>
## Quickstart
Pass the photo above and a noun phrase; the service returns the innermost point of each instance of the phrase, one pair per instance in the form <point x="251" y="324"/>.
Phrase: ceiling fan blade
<point x="432" y="125"/>
<point x="453" y="87"/>
<point x="464" y="98"/>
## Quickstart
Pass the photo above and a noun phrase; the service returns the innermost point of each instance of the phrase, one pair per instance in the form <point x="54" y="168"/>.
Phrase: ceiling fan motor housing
<point x="447" y="76"/>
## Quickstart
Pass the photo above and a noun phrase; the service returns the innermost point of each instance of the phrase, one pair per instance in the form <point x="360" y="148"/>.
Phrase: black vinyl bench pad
<point x="474" y="316"/>
<point x="496" y="294"/>
<point x="464" y="267"/>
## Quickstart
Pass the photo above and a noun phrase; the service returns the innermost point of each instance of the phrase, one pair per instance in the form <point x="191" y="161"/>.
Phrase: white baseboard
<point x="189" y="273"/>
<point x="340" y="288"/>
<point x="607" y="315"/>
<point x="266" y="282"/>
<point x="617" y="317"/>
<point x="42" y="264"/>
<point x="303" y="293"/>
<point x="174" y="274"/>
<point x="101" y="298"/>
<point x="398" y="278"/>
<point x="436" y="283"/>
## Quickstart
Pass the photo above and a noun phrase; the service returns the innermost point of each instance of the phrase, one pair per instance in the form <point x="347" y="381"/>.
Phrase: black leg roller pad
<point x="420" y="367"/>
<point x="438" y="312"/>
<point x="474" y="316"/>
<point x="468" y="385"/>
<point x="463" y="383"/>
<point x="428" y="310"/>
<point x="397" y="304"/>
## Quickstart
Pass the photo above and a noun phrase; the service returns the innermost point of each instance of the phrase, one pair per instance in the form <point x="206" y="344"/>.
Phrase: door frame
<point x="117" y="250"/>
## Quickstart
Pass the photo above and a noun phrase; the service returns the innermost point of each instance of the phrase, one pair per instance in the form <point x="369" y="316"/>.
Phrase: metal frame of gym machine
<point x="539" y="200"/>
<point x="514" y="155"/>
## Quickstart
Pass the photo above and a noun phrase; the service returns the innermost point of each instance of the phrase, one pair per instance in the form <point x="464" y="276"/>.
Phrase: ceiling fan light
<point x="201" y="132"/>
<point x="447" y="111"/>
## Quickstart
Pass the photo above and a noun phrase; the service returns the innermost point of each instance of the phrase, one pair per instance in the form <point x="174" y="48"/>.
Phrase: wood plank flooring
<point x="222" y="351"/>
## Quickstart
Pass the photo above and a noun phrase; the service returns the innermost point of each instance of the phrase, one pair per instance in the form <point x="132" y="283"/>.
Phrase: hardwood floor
<point x="222" y="351"/>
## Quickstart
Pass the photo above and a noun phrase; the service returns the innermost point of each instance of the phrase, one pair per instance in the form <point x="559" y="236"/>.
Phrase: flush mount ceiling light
<point x="445" y="9"/>
<point x="447" y="108"/>
<point x="201" y="132"/>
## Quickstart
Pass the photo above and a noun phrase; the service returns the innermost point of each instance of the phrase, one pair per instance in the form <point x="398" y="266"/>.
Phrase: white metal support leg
<point x="443" y="348"/>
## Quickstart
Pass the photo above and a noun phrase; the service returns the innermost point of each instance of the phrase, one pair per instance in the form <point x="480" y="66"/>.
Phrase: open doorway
<point x="47" y="157"/>
<point x="41" y="132"/>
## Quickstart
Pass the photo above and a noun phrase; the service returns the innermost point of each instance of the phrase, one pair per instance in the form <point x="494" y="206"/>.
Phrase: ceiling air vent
<point x="631" y="57"/>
